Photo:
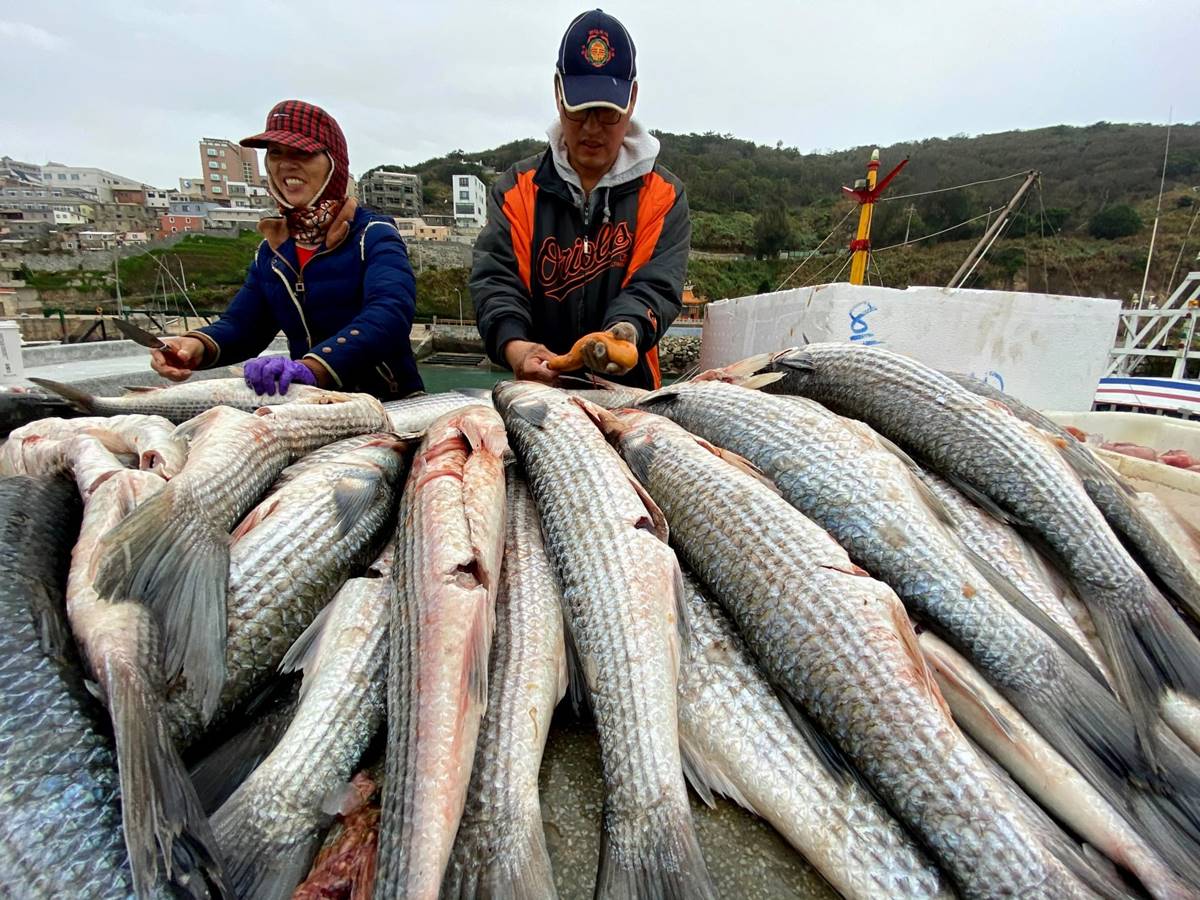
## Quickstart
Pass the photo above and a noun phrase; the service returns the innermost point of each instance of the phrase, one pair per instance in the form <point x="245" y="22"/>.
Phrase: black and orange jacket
<point x="550" y="269"/>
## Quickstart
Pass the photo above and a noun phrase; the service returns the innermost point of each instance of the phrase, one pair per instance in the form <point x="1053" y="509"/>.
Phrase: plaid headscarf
<point x="310" y="129"/>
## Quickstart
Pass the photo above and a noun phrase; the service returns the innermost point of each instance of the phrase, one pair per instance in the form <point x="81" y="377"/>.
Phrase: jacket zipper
<point x="297" y="288"/>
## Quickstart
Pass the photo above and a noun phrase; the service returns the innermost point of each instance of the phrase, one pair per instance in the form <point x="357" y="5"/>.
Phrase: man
<point x="593" y="234"/>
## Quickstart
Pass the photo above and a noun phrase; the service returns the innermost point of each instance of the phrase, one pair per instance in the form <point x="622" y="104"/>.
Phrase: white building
<point x="232" y="217"/>
<point x="470" y="200"/>
<point x="96" y="182"/>
<point x="68" y="217"/>
<point x="156" y="199"/>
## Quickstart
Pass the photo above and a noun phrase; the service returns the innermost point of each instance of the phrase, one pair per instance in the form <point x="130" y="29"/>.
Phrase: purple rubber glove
<point x="275" y="374"/>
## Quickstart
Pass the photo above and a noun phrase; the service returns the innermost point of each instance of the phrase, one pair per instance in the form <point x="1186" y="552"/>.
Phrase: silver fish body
<point x="413" y="415"/>
<point x="289" y="556"/>
<point x="622" y="592"/>
<point x="233" y="457"/>
<point x="837" y="472"/>
<point x="450" y="542"/>
<point x="738" y="740"/>
<point x="61" y="833"/>
<point x="163" y="819"/>
<point x="1127" y="511"/>
<point x="979" y="442"/>
<point x="270" y="827"/>
<point x="527" y="676"/>
<point x="840" y="645"/>
<point x="181" y="402"/>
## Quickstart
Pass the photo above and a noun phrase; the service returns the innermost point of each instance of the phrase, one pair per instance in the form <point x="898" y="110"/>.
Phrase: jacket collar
<point x="274" y="228"/>
<point x="636" y="158"/>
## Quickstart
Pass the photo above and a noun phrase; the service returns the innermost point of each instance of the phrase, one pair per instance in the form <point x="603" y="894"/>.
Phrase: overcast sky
<point x="131" y="86"/>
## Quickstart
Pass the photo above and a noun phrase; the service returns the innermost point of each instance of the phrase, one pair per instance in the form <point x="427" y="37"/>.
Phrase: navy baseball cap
<point x="597" y="63"/>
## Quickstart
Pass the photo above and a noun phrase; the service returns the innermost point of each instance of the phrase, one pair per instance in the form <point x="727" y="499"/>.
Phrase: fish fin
<point x="353" y="497"/>
<point x="1034" y="613"/>
<point x="740" y="463"/>
<point x="139" y="388"/>
<point x="983" y="501"/>
<point x="53" y="631"/>
<point x="531" y="409"/>
<point x="479" y="647"/>
<point x="757" y="382"/>
<point x="947" y="665"/>
<point x="667" y="864"/>
<point x="255" y="865"/>
<point x="796" y="359"/>
<point x="167" y="832"/>
<point x="1150" y="648"/>
<point x="477" y="393"/>
<point x="523" y="872"/>
<point x="657" y="523"/>
<point x="683" y="621"/>
<point x="176" y="563"/>
<point x="81" y="400"/>
<point x="577" y="688"/>
<point x="908" y="639"/>
<point x="218" y="774"/>
<point x="736" y="373"/>
<point x="662" y="395"/>
<point x="707" y="777"/>
<point x="829" y="754"/>
<point x="305" y="653"/>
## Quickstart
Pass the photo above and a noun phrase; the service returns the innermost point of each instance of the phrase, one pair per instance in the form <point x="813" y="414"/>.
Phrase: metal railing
<point x="1153" y="333"/>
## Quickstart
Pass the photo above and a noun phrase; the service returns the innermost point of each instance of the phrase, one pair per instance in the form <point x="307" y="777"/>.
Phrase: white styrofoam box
<point x="12" y="369"/>
<point x="1048" y="350"/>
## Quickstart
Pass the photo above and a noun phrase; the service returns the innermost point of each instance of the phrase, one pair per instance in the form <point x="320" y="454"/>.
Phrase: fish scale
<point x="60" y="834"/>
<point x="621" y="596"/>
<point x="451" y="541"/>
<point x="839" y="643"/>
<point x="526" y="679"/>
<point x="269" y="828"/>
<point x="732" y="724"/>
<point x="297" y="549"/>
<point x="979" y="442"/>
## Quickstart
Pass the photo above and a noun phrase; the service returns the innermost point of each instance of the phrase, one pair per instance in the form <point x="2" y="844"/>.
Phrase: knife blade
<point x="140" y="335"/>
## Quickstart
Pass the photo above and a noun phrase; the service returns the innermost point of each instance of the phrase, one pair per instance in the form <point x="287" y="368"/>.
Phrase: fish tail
<point x="165" y="825"/>
<point x="257" y="865"/>
<point x="659" y="863"/>
<point x="81" y="400"/>
<point x="1150" y="649"/>
<point x="169" y="557"/>
<point x="521" y="872"/>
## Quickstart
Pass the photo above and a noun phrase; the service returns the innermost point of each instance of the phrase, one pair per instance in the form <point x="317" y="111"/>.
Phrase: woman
<point x="331" y="275"/>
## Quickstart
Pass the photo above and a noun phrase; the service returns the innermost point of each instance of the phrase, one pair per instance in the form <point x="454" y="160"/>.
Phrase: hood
<point x="636" y="158"/>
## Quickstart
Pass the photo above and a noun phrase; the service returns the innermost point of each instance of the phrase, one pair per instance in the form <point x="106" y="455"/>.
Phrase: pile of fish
<point x="314" y="648"/>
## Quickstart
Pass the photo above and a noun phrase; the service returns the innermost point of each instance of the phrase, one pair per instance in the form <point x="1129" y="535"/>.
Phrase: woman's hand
<point x="528" y="361"/>
<point x="183" y="356"/>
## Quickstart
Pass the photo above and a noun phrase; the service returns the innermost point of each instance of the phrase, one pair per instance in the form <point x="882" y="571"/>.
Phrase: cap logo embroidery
<point x="597" y="50"/>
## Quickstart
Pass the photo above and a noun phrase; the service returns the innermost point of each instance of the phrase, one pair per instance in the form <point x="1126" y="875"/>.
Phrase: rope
<point x="813" y="279"/>
<point x="1186" y="237"/>
<point x="926" y="237"/>
<point x="839" y="271"/>
<point x="957" y="187"/>
<point x="818" y="247"/>
<point x="1062" y="258"/>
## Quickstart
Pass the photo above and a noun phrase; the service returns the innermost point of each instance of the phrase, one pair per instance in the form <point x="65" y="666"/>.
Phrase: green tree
<point x="772" y="232"/>
<point x="1115" y="221"/>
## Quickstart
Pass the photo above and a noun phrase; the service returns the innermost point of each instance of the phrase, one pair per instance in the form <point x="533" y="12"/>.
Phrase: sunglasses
<point x="604" y="115"/>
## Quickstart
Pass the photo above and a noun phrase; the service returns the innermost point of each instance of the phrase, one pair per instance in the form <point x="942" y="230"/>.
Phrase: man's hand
<point x="528" y="361"/>
<point x="184" y="356"/>
<point x="597" y="358"/>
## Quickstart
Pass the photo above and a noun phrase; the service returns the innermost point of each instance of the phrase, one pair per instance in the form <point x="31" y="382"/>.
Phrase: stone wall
<point x="439" y="254"/>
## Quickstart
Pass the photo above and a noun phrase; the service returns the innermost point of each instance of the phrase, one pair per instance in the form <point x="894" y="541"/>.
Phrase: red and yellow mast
<point x="867" y="194"/>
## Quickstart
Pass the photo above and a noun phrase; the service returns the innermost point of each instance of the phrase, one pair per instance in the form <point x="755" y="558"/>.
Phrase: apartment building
<point x="223" y="161"/>
<point x="391" y="193"/>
